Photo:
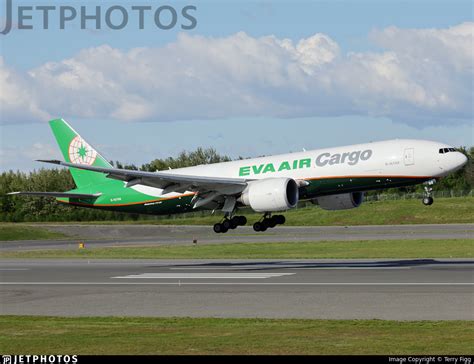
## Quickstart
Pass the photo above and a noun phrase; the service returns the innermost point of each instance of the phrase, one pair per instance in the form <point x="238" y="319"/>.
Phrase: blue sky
<point x="263" y="120"/>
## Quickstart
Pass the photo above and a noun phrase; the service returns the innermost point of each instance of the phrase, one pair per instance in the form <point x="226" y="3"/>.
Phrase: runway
<point x="142" y="235"/>
<point x="324" y="289"/>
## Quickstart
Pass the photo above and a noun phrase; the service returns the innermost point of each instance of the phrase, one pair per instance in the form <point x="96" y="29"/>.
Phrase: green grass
<point x="392" y="212"/>
<point x="107" y="335"/>
<point x="22" y="232"/>
<point x="443" y="211"/>
<point x="446" y="248"/>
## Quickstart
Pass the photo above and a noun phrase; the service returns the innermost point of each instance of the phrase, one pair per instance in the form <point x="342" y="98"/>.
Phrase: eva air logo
<point x="80" y="152"/>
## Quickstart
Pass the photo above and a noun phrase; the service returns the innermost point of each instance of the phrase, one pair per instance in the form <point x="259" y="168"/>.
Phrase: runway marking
<point x="349" y="268"/>
<point x="14" y="269"/>
<point x="240" y="267"/>
<point x="238" y="283"/>
<point x="287" y="267"/>
<point x="204" y="275"/>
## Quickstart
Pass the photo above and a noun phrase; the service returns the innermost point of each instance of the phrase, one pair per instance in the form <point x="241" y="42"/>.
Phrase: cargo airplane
<point x="333" y="178"/>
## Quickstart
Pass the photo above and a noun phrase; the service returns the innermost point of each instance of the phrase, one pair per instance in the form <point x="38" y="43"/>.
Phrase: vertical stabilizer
<point x="76" y="150"/>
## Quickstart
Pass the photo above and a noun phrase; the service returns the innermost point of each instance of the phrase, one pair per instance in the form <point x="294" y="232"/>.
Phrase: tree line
<point x="32" y="209"/>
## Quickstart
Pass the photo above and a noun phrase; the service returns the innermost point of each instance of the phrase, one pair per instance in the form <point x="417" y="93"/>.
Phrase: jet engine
<point x="270" y="194"/>
<point x="340" y="202"/>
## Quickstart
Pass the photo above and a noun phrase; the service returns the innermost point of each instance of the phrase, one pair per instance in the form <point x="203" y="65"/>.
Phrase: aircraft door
<point x="409" y="156"/>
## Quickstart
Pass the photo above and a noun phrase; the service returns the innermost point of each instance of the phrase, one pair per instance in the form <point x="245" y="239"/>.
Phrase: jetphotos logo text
<point x="324" y="159"/>
<point x="96" y="17"/>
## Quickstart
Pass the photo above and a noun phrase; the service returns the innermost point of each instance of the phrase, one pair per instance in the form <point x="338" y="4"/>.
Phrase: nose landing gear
<point x="427" y="201"/>
<point x="269" y="222"/>
<point x="428" y="197"/>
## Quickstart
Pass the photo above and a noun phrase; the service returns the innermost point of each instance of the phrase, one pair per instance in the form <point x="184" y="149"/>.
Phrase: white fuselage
<point x="391" y="158"/>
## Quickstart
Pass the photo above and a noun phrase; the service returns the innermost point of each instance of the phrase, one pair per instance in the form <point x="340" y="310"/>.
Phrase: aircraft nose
<point x="461" y="159"/>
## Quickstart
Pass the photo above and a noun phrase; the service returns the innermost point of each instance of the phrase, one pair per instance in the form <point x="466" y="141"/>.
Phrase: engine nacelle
<point x="341" y="202"/>
<point x="271" y="194"/>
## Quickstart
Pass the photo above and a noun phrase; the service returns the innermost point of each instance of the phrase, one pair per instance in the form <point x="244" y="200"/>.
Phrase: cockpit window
<point x="446" y="150"/>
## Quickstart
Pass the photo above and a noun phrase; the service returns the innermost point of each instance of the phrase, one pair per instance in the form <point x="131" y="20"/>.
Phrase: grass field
<point x="444" y="211"/>
<point x="48" y="335"/>
<point x="22" y="232"/>
<point x="452" y="248"/>
<point x="392" y="212"/>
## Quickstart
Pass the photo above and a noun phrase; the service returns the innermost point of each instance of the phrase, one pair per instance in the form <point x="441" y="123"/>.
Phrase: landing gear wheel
<point x="238" y="221"/>
<point x="271" y="222"/>
<point x="233" y="224"/>
<point x="258" y="226"/>
<point x="226" y="224"/>
<point x="280" y="219"/>
<point x="242" y="220"/>
<point x="217" y="228"/>
<point x="427" y="201"/>
<point x="220" y="228"/>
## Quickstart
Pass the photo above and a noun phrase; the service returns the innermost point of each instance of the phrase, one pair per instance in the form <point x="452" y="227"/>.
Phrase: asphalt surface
<point x="142" y="235"/>
<point x="325" y="289"/>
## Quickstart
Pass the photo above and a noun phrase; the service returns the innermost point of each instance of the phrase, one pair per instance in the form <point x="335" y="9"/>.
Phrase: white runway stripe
<point x="295" y="268"/>
<point x="204" y="275"/>
<point x="237" y="283"/>
<point x="218" y="268"/>
<point x="353" y="268"/>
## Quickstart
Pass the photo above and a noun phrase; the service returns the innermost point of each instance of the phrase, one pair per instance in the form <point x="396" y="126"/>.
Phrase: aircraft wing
<point x="169" y="182"/>
<point x="56" y="194"/>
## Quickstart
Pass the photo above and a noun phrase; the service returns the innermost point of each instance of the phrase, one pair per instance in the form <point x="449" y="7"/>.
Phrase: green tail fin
<point x="77" y="150"/>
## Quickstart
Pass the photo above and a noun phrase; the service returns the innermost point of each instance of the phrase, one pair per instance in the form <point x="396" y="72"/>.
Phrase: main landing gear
<point x="269" y="222"/>
<point x="428" y="196"/>
<point x="226" y="224"/>
<point x="266" y="222"/>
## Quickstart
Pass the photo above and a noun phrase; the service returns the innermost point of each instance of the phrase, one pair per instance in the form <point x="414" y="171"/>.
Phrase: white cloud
<point x="20" y="158"/>
<point x="46" y="151"/>
<point x="423" y="77"/>
<point x="18" y="101"/>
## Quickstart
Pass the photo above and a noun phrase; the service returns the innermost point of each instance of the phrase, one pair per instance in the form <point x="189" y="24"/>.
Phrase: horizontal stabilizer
<point x="56" y="194"/>
<point x="52" y="161"/>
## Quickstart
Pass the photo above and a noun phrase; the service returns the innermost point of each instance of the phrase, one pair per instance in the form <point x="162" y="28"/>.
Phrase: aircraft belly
<point x="336" y="185"/>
